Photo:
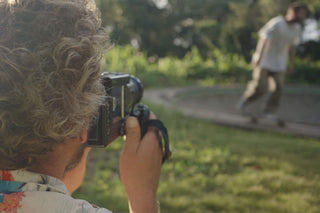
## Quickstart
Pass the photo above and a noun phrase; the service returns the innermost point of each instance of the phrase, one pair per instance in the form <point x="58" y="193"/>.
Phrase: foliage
<point x="171" y="71"/>
<point x="309" y="50"/>
<point x="218" y="169"/>
<point x="306" y="72"/>
<point x="217" y="68"/>
<point x="151" y="71"/>
<point x="178" y="26"/>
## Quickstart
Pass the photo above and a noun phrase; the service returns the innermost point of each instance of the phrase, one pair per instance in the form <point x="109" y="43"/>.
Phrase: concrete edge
<point x="165" y="97"/>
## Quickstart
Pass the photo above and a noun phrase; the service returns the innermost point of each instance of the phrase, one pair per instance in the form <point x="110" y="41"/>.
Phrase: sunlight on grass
<point x="218" y="169"/>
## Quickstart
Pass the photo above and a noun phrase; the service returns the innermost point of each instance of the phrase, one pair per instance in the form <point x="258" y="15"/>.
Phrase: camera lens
<point x="135" y="91"/>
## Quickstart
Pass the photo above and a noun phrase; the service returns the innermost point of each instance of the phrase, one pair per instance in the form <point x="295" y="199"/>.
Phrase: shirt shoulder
<point x="40" y="193"/>
<point x="271" y="27"/>
<point x="55" y="202"/>
<point x="86" y="207"/>
<point x="276" y="21"/>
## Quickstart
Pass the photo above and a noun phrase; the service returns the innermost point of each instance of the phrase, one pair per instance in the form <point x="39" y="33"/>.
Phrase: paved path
<point x="300" y="107"/>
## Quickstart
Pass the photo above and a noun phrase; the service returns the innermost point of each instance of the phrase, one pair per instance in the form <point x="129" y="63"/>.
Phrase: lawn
<point x="218" y="169"/>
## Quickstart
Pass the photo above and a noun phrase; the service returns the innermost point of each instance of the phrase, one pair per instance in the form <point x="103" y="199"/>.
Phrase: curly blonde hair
<point x="49" y="75"/>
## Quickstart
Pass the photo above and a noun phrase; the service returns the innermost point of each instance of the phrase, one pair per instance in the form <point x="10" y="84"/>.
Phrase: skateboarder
<point x="273" y="58"/>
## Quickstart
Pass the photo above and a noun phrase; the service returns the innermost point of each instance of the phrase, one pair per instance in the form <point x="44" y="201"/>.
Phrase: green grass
<point x="218" y="169"/>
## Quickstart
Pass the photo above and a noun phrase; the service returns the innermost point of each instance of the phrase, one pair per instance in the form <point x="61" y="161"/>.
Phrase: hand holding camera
<point x="144" y="151"/>
<point x="123" y="95"/>
<point x="140" y="166"/>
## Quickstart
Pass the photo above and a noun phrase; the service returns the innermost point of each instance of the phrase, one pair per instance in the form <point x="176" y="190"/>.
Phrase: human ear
<point x="84" y="132"/>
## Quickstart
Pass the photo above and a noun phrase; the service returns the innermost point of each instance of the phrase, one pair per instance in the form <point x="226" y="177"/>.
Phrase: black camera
<point x="123" y="93"/>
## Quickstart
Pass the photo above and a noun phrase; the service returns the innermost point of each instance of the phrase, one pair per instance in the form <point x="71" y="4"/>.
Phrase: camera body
<point x="123" y="92"/>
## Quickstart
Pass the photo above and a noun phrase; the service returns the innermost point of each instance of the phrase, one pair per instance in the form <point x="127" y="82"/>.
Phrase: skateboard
<point x="256" y="119"/>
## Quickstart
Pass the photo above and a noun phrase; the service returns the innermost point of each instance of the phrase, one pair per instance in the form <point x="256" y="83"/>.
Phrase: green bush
<point x="152" y="72"/>
<point x="126" y="59"/>
<point x="306" y="72"/>
<point x="231" y="68"/>
<point x="218" y="68"/>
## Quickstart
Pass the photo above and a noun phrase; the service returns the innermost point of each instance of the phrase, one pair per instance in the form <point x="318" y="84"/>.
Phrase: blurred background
<point x="213" y="39"/>
<point x="209" y="44"/>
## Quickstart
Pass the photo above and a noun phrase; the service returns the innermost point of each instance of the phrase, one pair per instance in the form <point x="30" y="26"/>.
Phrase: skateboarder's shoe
<point x="241" y="105"/>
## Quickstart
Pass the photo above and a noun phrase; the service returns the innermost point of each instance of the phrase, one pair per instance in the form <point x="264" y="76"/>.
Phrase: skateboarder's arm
<point x="260" y="49"/>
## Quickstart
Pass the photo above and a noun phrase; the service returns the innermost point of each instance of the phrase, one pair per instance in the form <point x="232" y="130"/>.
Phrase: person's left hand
<point x="140" y="166"/>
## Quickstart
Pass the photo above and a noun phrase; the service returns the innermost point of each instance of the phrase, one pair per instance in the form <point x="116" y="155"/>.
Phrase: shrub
<point x="218" y="68"/>
<point x="306" y="72"/>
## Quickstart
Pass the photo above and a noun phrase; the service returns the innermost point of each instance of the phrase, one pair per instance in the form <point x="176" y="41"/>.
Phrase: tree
<point x="173" y="27"/>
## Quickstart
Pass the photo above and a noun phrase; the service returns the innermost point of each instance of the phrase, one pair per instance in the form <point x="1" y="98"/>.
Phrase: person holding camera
<point x="50" y="91"/>
<point x="273" y="58"/>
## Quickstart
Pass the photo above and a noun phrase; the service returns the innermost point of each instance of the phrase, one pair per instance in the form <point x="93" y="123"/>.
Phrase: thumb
<point x="132" y="137"/>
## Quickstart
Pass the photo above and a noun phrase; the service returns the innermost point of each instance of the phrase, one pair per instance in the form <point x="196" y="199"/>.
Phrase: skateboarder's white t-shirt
<point x="280" y="36"/>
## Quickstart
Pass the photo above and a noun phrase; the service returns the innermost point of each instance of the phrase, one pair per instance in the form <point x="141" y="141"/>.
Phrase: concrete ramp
<point x="300" y="107"/>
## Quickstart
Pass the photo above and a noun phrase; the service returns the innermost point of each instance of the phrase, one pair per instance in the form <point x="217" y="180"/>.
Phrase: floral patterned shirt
<point x="26" y="192"/>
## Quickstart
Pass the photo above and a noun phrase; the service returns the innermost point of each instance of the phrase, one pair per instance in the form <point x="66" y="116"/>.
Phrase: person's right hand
<point x="255" y="63"/>
<point x="140" y="166"/>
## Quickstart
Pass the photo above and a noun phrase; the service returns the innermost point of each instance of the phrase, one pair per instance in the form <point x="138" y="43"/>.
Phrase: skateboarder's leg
<point x="276" y="85"/>
<point x="255" y="88"/>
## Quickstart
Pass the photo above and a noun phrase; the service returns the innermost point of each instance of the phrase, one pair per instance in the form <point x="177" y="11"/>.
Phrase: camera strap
<point x="164" y="143"/>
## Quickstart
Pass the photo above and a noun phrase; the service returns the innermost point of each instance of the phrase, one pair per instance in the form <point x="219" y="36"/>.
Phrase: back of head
<point x="297" y="6"/>
<point x="49" y="75"/>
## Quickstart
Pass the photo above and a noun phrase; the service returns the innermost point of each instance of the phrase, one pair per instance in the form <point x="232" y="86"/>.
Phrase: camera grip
<point x="141" y="112"/>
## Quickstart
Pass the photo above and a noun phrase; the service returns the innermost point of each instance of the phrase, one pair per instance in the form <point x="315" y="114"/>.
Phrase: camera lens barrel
<point x="123" y="92"/>
<point x="135" y="91"/>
